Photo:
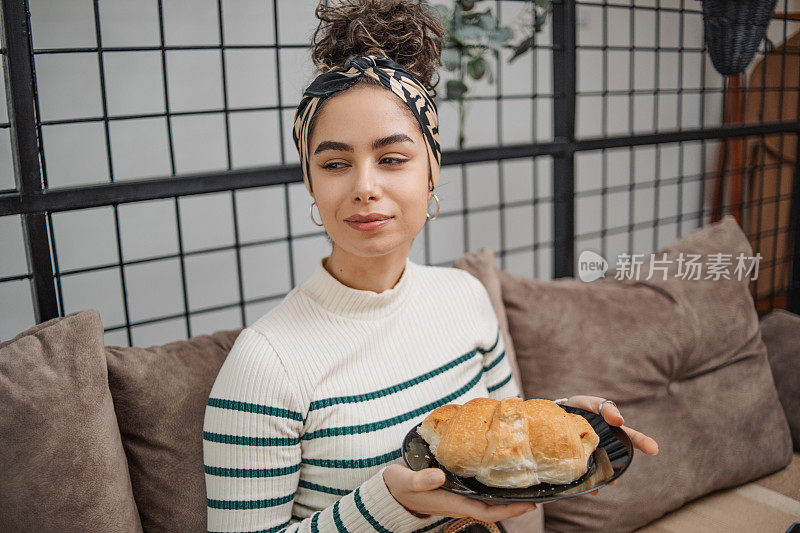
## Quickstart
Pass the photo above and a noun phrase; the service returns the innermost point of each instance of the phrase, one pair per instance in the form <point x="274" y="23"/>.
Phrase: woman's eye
<point x="390" y="161"/>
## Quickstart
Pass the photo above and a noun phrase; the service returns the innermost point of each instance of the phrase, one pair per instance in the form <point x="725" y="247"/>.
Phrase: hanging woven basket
<point x="733" y="30"/>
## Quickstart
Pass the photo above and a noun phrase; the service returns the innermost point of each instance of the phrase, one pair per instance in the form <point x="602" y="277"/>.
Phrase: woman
<point x="305" y="420"/>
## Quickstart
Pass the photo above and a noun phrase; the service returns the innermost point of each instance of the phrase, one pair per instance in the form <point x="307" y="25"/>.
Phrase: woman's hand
<point x="423" y="497"/>
<point x="612" y="415"/>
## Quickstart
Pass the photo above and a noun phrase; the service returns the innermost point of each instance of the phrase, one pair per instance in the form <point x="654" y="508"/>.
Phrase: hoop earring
<point x="311" y="212"/>
<point x="437" y="209"/>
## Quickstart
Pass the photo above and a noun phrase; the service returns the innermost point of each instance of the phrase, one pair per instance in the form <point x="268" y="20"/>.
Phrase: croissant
<point x="510" y="442"/>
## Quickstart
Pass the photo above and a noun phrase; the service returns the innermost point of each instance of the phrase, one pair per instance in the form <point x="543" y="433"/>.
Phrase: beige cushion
<point x="63" y="465"/>
<point x="684" y="361"/>
<point x="160" y="394"/>
<point x="780" y="332"/>
<point x="771" y="503"/>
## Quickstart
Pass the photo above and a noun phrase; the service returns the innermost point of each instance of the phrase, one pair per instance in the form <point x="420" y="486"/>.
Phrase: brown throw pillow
<point x="779" y="330"/>
<point x="62" y="463"/>
<point x="685" y="363"/>
<point x="480" y="263"/>
<point x="160" y="395"/>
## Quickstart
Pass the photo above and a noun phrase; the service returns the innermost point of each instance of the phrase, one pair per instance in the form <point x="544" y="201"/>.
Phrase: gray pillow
<point x="683" y="360"/>
<point x="63" y="465"/>
<point x="160" y="395"/>
<point x="781" y="332"/>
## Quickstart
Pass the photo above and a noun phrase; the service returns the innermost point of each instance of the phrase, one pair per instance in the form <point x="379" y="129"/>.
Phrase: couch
<point x="107" y="438"/>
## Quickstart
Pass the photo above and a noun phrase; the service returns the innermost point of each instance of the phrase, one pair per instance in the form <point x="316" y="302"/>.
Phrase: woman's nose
<point x="366" y="184"/>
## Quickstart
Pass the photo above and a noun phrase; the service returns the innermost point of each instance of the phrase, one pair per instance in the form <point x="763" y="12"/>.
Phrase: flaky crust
<point x="510" y="442"/>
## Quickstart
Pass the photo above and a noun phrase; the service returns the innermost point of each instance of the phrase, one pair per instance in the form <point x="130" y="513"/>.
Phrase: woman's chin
<point x="371" y="245"/>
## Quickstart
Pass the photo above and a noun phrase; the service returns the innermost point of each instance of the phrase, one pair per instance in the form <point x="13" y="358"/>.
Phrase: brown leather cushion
<point x="685" y="363"/>
<point x="63" y="465"/>
<point x="779" y="330"/>
<point x="160" y="394"/>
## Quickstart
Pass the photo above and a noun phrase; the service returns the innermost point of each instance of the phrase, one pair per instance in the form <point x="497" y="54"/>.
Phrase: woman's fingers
<point x="611" y="413"/>
<point x="420" y="498"/>
<point x="496" y="513"/>
<point x="613" y="416"/>
<point x="487" y="511"/>
<point x="641" y="441"/>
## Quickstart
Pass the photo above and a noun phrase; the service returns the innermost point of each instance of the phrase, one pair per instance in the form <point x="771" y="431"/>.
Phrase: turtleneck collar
<point x="342" y="300"/>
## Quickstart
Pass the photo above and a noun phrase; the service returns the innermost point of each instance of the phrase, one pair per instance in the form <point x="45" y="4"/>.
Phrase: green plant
<point x="472" y="33"/>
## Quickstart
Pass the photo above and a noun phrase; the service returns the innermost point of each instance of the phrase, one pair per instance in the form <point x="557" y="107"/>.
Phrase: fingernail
<point x="435" y="477"/>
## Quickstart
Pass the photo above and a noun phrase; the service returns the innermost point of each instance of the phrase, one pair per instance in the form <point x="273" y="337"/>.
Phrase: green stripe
<point x="366" y="514"/>
<point x="495" y="387"/>
<point x="338" y="519"/>
<point x="434" y="525"/>
<point x="354" y="463"/>
<point x="251" y="472"/>
<point x="246" y="407"/>
<point x="496" y="340"/>
<point x="315" y="526"/>
<point x="327" y="402"/>
<point x="274" y="529"/>
<point x="249" y="504"/>
<point x="376" y="426"/>
<point x="322" y="488"/>
<point x="495" y="362"/>
<point x="250" y="441"/>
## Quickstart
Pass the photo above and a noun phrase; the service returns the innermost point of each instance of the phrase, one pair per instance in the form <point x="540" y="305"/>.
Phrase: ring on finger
<point x="600" y="409"/>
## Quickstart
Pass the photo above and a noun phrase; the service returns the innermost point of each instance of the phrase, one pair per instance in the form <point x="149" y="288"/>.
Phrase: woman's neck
<point x="374" y="273"/>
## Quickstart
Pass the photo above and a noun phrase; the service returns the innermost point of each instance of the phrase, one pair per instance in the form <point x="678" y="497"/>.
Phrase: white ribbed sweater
<point x="315" y="398"/>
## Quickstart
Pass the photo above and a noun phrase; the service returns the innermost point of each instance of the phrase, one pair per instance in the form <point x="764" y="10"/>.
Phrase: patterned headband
<point x="392" y="76"/>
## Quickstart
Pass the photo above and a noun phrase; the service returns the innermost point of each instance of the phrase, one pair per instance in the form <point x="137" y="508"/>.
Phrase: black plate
<point x="611" y="458"/>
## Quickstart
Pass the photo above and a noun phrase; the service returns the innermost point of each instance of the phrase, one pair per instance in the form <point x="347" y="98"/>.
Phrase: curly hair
<point x="403" y="30"/>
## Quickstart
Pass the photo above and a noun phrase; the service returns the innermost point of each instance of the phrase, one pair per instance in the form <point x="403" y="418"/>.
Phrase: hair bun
<point x="403" y="30"/>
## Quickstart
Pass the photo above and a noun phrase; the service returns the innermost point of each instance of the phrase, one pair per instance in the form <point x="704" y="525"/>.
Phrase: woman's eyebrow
<point x="377" y="143"/>
<point x="391" y="139"/>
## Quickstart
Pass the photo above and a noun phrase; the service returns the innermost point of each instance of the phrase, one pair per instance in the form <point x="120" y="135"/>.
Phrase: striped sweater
<point x="315" y="398"/>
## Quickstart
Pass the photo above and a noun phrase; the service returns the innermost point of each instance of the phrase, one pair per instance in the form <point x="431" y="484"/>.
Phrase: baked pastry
<point x="510" y="442"/>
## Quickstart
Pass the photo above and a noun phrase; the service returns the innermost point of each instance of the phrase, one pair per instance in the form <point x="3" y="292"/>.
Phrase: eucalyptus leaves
<point x="472" y="33"/>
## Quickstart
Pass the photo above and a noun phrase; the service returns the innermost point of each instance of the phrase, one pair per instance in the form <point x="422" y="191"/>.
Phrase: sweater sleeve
<point x="497" y="373"/>
<point x="252" y="454"/>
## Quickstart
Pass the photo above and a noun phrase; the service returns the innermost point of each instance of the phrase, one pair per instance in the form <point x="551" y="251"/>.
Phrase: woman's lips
<point x="369" y="226"/>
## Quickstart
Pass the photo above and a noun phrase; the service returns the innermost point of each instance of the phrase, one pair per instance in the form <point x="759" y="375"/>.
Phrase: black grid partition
<point x="171" y="173"/>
